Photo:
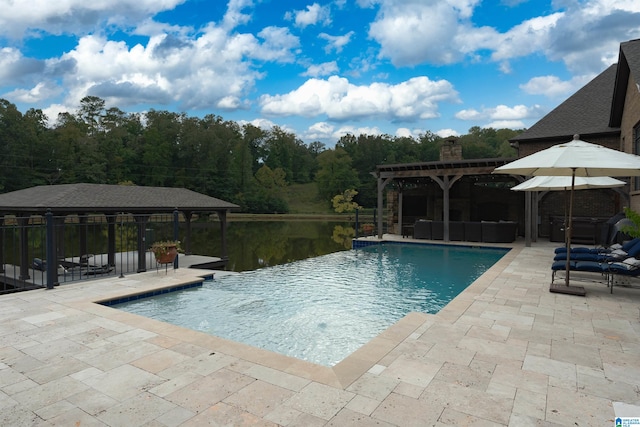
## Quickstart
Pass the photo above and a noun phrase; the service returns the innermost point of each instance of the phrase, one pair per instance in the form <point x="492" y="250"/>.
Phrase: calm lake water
<point x="256" y="244"/>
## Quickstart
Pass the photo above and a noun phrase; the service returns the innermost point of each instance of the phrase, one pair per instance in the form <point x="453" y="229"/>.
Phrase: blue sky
<point x="320" y="69"/>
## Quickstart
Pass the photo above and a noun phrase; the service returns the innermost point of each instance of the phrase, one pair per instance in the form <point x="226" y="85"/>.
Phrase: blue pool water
<point x="322" y="309"/>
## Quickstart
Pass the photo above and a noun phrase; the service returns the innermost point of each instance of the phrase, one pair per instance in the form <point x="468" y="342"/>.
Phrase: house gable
<point x="628" y="71"/>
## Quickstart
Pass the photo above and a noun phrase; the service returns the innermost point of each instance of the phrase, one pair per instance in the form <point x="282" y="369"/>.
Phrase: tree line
<point x="242" y="164"/>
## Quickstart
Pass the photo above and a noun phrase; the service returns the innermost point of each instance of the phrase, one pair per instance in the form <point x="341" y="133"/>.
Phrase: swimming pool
<point x="322" y="309"/>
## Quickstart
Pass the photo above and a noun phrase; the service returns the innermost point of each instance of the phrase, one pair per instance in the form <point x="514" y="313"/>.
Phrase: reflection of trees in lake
<point x="255" y="244"/>
<point x="343" y="235"/>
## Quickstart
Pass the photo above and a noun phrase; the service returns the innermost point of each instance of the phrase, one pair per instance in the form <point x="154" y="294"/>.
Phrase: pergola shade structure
<point x="111" y="200"/>
<point x="444" y="173"/>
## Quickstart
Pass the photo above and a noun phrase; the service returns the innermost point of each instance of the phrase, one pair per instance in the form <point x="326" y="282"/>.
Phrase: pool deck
<point x="505" y="352"/>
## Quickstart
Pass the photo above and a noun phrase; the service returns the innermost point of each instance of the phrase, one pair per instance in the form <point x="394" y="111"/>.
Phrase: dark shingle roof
<point x="80" y="198"/>
<point x="628" y="65"/>
<point x="631" y="52"/>
<point x="587" y="112"/>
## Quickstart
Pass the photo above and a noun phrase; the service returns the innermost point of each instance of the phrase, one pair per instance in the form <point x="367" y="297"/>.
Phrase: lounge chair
<point x="579" y="266"/>
<point x="581" y="249"/>
<point x="92" y="270"/>
<point x="589" y="256"/>
<point x="630" y="249"/>
<point x="629" y="267"/>
<point x="39" y="264"/>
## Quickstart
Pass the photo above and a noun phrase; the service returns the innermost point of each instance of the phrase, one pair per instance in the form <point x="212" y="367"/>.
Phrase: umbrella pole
<point x="569" y="227"/>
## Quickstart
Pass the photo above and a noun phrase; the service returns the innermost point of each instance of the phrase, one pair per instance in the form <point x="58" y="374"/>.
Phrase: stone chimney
<point x="450" y="150"/>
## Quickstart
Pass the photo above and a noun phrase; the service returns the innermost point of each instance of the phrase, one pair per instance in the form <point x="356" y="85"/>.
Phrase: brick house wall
<point x="597" y="204"/>
<point x="631" y="119"/>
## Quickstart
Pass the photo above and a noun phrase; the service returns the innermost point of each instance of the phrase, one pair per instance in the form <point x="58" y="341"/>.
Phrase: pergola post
<point x="82" y="220"/>
<point x="527" y="218"/>
<point x="52" y="265"/>
<point x="1" y="243"/>
<point x="445" y="184"/>
<point x="381" y="184"/>
<point x="23" y="223"/>
<point x="176" y="233"/>
<point x="187" y="233"/>
<point x="111" y="240"/>
<point x="223" y="233"/>
<point x="141" y="221"/>
<point x="535" y="206"/>
<point x="400" y="224"/>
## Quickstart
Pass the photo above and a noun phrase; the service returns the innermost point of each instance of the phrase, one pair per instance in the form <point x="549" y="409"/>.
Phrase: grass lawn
<point x="304" y="199"/>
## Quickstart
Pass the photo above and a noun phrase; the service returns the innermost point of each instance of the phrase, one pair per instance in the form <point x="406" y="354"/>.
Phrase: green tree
<point x="271" y="178"/>
<point x="632" y="230"/>
<point x="13" y="160"/>
<point x="91" y="113"/>
<point x="336" y="173"/>
<point x="159" y="142"/>
<point x="344" y="202"/>
<point x="429" y="147"/>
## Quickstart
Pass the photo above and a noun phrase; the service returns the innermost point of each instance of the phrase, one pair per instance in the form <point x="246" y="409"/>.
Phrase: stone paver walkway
<point x="505" y="352"/>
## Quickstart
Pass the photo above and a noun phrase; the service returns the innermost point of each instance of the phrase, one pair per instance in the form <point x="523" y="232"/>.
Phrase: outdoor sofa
<point x="469" y="231"/>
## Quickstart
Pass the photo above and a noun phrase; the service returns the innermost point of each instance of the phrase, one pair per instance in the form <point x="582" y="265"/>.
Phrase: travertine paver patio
<point x="504" y="352"/>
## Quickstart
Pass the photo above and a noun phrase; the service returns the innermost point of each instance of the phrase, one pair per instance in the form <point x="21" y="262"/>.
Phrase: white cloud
<point x="324" y="69"/>
<point x="52" y="112"/>
<point x="553" y="87"/>
<point x="14" y="67"/>
<point x="414" y="32"/>
<point x="212" y="69"/>
<point x="338" y="99"/>
<point x="336" y="42"/>
<point x="39" y="92"/>
<point x="501" y="113"/>
<point x="277" y="46"/>
<point x="406" y="133"/>
<point x="526" y="38"/>
<point x="312" y="15"/>
<point x="444" y="133"/>
<point x="470" y="114"/>
<point x="584" y="34"/>
<point x="323" y="131"/>
<point x="356" y="131"/>
<point x="503" y="116"/>
<point x="505" y="124"/>
<point x="266" y="124"/>
<point x="234" y="15"/>
<point x="416" y="133"/>
<point x="74" y="16"/>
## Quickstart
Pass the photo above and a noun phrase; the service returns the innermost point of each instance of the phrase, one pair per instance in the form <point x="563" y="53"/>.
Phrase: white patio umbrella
<point x="557" y="183"/>
<point x="573" y="159"/>
<point x="563" y="183"/>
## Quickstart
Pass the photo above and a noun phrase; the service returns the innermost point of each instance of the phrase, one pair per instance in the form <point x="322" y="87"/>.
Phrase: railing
<point x="83" y="247"/>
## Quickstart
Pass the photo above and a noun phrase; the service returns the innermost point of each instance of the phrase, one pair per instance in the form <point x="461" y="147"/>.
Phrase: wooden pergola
<point x="110" y="200"/>
<point x="445" y="174"/>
